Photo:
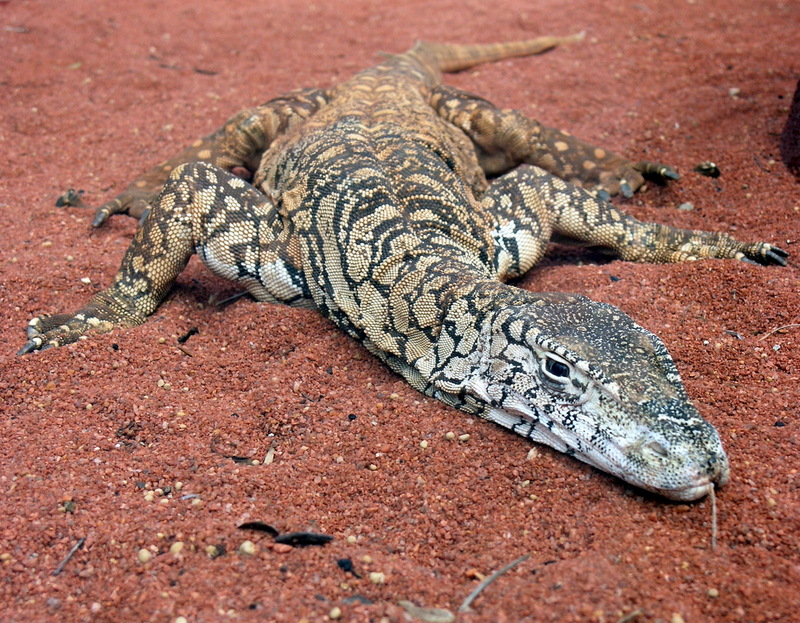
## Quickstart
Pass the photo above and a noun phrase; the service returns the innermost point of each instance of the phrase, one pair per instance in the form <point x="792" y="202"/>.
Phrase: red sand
<point x="97" y="436"/>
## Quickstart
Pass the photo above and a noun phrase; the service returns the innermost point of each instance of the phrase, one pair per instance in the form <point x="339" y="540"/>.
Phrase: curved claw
<point x="777" y="256"/>
<point x="763" y="254"/>
<point x="30" y="346"/>
<point x="134" y="204"/>
<point x="603" y="195"/>
<point x="656" y="171"/>
<point x="625" y="190"/>
<point x="145" y="214"/>
<point x="100" y="216"/>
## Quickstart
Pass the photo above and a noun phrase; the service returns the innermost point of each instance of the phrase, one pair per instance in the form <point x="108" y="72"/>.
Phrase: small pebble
<point x="464" y="437"/>
<point x="176" y="548"/>
<point x="450" y="436"/>
<point x="676" y="618"/>
<point x="686" y="207"/>
<point x="351" y="538"/>
<point x="713" y="593"/>
<point x="212" y="551"/>
<point x="335" y="613"/>
<point x="144" y="555"/>
<point x="377" y="577"/>
<point x="282" y="548"/>
<point x="180" y="620"/>
<point x="247" y="548"/>
<point x="423" y="444"/>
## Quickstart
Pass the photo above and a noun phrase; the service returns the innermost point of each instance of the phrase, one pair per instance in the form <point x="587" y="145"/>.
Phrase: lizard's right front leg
<point x="201" y="209"/>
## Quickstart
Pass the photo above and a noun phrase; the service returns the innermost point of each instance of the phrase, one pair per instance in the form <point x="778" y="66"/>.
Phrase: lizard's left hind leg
<point x="506" y="138"/>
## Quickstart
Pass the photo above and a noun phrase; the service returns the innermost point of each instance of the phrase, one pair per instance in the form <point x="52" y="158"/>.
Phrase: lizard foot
<point x="135" y="203"/>
<point x="725" y="247"/>
<point x="628" y="177"/>
<point x="101" y="314"/>
<point x="57" y="330"/>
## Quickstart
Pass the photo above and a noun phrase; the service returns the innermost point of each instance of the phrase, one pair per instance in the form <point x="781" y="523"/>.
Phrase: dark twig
<point x="757" y="160"/>
<point x="69" y="555"/>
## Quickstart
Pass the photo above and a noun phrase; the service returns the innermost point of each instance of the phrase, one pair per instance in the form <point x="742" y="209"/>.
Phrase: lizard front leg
<point x="506" y="138"/>
<point x="575" y="214"/>
<point x="236" y="147"/>
<point x="236" y="231"/>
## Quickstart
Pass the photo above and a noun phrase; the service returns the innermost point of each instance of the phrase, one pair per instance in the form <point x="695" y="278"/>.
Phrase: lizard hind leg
<point x="201" y="209"/>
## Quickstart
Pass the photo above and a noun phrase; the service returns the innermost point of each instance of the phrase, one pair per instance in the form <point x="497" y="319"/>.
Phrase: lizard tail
<point x="452" y="58"/>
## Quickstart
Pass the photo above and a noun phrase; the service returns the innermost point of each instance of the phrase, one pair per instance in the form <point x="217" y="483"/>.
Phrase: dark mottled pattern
<point x="397" y="207"/>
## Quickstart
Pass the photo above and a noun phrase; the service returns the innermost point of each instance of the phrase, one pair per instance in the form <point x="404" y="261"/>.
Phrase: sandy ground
<point x="124" y="442"/>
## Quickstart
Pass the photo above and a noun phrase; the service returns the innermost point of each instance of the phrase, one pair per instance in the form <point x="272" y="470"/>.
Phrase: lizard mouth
<point x="697" y="488"/>
<point x="684" y="481"/>
<point x="689" y="493"/>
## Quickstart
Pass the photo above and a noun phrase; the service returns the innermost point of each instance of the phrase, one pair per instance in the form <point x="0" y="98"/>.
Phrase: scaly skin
<point x="370" y="202"/>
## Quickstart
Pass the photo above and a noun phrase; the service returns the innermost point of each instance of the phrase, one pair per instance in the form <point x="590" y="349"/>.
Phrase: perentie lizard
<point x="397" y="206"/>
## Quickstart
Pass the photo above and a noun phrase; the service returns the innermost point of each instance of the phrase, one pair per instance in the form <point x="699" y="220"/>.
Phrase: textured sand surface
<point x="97" y="436"/>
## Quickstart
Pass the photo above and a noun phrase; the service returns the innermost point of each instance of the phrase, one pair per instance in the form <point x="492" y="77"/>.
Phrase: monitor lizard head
<point x="585" y="379"/>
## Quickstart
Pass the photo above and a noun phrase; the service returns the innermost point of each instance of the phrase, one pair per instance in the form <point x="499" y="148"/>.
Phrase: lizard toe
<point x="777" y="256"/>
<point x="657" y="172"/>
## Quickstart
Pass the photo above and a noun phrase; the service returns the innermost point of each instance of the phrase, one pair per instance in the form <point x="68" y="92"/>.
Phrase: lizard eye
<point x="555" y="370"/>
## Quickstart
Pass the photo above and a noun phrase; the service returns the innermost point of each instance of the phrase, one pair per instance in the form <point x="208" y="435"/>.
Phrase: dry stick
<point x="631" y="616"/>
<point x="69" y="555"/>
<point x="713" y="519"/>
<point x="786" y="326"/>
<point x="184" y="351"/>
<point x="478" y="589"/>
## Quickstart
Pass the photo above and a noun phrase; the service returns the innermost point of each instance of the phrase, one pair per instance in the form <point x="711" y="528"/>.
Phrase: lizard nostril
<point x="658" y="449"/>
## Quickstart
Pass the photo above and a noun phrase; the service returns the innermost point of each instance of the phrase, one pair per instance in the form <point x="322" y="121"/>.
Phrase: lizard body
<point x="397" y="206"/>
